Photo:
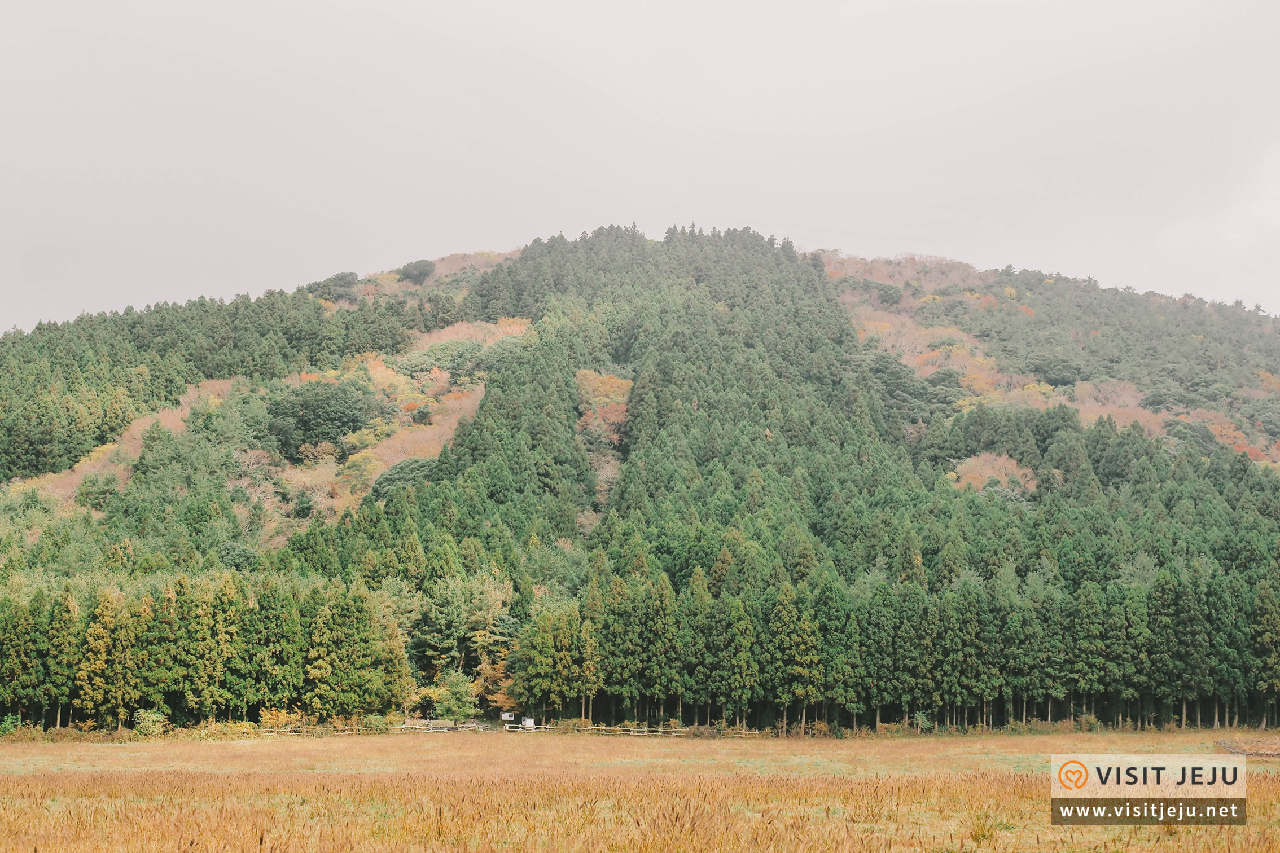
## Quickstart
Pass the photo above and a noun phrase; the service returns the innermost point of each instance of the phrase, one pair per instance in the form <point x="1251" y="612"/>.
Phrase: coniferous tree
<point x="1168" y="662"/>
<point x="20" y="667"/>
<point x="735" y="671"/>
<point x="881" y="626"/>
<point x="837" y="629"/>
<point x="659" y="673"/>
<point x="161" y="654"/>
<point x="66" y="637"/>
<point x="795" y="667"/>
<point x="693" y="638"/>
<point x="1266" y="644"/>
<point x="1089" y="643"/>
<point x="620" y="644"/>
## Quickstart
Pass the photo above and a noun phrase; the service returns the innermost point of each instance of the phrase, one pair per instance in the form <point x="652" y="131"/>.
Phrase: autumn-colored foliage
<point x="603" y="405"/>
<point x="978" y="470"/>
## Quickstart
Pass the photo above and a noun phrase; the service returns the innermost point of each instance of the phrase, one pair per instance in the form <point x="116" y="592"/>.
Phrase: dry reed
<point x="483" y="792"/>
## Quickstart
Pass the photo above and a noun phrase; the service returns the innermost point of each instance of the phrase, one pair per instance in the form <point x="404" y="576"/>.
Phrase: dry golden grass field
<point x="516" y="792"/>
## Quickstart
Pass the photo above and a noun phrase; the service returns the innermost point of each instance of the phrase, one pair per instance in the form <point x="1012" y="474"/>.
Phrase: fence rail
<point x="433" y="726"/>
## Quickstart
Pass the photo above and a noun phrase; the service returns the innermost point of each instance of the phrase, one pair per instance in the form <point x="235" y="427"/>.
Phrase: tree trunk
<point x="1184" y="714"/>
<point x="59" y="720"/>
<point x="877" y="729"/>
<point x="680" y="707"/>
<point x="784" y="721"/>
<point x="804" y="711"/>
<point x="1050" y="710"/>
<point x="582" y="715"/>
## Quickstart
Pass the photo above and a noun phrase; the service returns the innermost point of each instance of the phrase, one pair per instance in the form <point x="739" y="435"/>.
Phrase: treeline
<point x="1155" y="645"/>
<point x="200" y="650"/>
<point x="781" y="539"/>
<point x="1151" y="644"/>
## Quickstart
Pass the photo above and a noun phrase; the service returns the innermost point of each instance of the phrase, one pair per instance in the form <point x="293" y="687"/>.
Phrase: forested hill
<point x="714" y="477"/>
<point x="1181" y="366"/>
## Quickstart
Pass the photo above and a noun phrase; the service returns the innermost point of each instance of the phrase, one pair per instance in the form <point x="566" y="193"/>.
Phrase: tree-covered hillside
<point x="67" y="387"/>
<point x="1180" y="360"/>
<point x="777" y="530"/>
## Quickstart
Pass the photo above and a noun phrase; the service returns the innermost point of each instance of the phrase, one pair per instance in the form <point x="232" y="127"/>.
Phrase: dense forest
<point x="784" y="539"/>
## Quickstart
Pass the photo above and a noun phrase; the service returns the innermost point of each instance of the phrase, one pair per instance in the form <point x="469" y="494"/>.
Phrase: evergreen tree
<point x="66" y="636"/>
<point x="735" y="668"/>
<point x="794" y="664"/>
<point x="694" y="636"/>
<point x="881" y="626"/>
<point x="841" y="656"/>
<point x="1089" y="652"/>
<point x="660" y="672"/>
<point x="1266" y="643"/>
<point x="20" y="667"/>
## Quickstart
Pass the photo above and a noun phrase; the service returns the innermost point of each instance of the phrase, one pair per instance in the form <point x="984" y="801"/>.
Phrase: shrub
<point x="416" y="271"/>
<point x="319" y="412"/>
<point x="407" y="472"/>
<point x="9" y="725"/>
<point x="237" y="555"/>
<point x="148" y="723"/>
<point x="335" y="287"/>
<point x="457" y="357"/>
<point x="453" y="696"/>
<point x="97" y="489"/>
<point x="303" y="506"/>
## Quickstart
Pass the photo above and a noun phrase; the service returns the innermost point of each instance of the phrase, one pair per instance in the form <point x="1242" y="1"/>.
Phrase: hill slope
<point x="695" y="482"/>
<point x="1177" y="366"/>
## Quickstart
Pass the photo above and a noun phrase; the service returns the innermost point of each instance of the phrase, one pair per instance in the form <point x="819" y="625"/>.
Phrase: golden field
<point x="516" y="792"/>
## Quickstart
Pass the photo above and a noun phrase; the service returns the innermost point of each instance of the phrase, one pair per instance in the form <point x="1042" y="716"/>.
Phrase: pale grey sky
<point x="163" y="150"/>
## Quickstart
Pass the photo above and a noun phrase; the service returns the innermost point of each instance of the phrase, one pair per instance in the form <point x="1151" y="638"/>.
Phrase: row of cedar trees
<point x="210" y="649"/>
<point x="979" y="653"/>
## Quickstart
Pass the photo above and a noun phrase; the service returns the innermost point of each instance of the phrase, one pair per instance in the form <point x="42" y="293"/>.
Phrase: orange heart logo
<point x="1073" y="775"/>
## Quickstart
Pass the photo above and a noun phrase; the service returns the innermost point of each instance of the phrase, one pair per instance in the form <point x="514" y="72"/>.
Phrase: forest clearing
<point x="491" y="791"/>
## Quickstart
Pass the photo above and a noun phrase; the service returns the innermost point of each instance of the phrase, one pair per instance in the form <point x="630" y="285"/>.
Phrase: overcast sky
<point x="160" y="151"/>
